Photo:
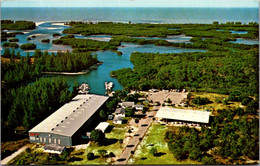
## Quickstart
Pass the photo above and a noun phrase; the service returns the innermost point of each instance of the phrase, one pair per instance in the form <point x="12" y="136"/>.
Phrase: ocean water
<point x="111" y="61"/>
<point x="135" y="15"/>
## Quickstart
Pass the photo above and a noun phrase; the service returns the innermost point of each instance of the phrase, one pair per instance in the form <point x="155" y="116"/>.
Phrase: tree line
<point x="28" y="105"/>
<point x="219" y="72"/>
<point x="17" y="25"/>
<point x="230" y="137"/>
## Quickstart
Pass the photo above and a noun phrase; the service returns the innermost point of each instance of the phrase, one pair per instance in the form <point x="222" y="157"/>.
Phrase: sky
<point x="130" y="3"/>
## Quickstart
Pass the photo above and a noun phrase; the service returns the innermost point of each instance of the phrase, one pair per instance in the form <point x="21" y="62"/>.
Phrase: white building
<point x="102" y="126"/>
<point x="172" y="114"/>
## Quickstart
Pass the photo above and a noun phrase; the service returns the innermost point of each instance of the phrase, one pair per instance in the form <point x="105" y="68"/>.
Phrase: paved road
<point x="9" y="158"/>
<point x="144" y="125"/>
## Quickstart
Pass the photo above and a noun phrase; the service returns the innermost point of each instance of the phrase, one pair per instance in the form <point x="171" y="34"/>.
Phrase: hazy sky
<point x="129" y="3"/>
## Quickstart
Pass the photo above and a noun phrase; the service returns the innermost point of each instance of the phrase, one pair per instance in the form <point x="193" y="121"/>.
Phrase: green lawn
<point x="155" y="138"/>
<point x="212" y="97"/>
<point x="118" y="132"/>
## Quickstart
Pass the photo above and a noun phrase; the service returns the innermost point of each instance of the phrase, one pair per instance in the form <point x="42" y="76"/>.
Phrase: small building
<point x="119" y="115"/>
<point x="167" y="114"/>
<point x="68" y="124"/>
<point x="139" y="107"/>
<point x="102" y="126"/>
<point x="129" y="104"/>
<point x="120" y="112"/>
<point x="118" y="120"/>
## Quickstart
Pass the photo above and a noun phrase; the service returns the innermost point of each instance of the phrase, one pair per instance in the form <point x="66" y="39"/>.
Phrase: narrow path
<point x="144" y="125"/>
<point x="9" y="158"/>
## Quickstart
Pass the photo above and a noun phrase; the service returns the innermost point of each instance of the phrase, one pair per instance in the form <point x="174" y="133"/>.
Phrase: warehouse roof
<point x="71" y="116"/>
<point x="183" y="114"/>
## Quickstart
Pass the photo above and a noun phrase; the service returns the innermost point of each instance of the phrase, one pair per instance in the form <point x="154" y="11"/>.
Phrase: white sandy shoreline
<point x="53" y="23"/>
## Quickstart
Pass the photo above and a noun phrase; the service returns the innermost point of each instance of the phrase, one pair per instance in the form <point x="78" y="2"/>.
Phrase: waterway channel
<point x="111" y="61"/>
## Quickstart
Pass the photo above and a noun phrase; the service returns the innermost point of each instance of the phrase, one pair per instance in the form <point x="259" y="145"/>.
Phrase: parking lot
<point x="161" y="96"/>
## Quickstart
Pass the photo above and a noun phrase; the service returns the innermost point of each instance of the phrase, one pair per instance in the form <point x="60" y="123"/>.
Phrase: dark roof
<point x="120" y="111"/>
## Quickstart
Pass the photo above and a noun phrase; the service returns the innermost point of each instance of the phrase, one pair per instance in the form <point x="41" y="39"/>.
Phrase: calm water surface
<point x="135" y="15"/>
<point x="111" y="61"/>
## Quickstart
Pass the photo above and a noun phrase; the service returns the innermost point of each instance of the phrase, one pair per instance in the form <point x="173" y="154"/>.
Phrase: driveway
<point x="144" y="125"/>
<point x="9" y="158"/>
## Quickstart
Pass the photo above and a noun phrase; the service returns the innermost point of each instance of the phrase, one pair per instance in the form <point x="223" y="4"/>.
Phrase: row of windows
<point x="44" y="139"/>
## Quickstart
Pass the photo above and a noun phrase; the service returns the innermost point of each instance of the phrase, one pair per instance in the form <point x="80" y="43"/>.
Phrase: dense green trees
<point x="228" y="137"/>
<point x="17" y="25"/>
<point x="85" y="45"/>
<point x="45" y="40"/>
<point x="220" y="72"/>
<point x="28" y="46"/>
<point x="215" y="40"/>
<point x="201" y="100"/>
<point x="24" y="71"/>
<point x="97" y="136"/>
<point x="64" y="62"/>
<point x="9" y="44"/>
<point x="27" y="105"/>
<point x="13" y="40"/>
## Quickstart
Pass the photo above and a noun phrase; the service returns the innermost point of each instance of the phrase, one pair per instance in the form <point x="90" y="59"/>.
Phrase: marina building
<point x="67" y="125"/>
<point x="182" y="116"/>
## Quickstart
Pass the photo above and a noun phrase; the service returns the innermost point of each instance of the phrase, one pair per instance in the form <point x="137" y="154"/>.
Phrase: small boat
<point x="84" y="88"/>
<point x="109" y="85"/>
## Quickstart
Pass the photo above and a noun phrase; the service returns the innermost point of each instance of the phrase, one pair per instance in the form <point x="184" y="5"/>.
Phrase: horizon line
<point x="124" y="7"/>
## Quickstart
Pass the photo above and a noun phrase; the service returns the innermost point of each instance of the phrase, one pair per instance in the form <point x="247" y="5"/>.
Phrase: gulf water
<point x="135" y="15"/>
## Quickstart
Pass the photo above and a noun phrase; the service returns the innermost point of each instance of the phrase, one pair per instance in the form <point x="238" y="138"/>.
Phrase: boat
<point x="84" y="88"/>
<point x="109" y="86"/>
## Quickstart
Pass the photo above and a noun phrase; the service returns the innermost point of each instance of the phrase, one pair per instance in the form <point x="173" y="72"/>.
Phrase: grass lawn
<point x="118" y="132"/>
<point x="155" y="138"/>
<point x="215" y="105"/>
<point x="7" y="148"/>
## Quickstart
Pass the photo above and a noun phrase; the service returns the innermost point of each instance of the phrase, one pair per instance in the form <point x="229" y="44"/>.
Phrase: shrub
<point x="56" y="34"/>
<point x="97" y="136"/>
<point x="129" y="112"/>
<point x="45" y="40"/>
<point x="28" y="46"/>
<point x="8" y="44"/>
<point x="201" y="100"/>
<point x="153" y="151"/>
<point x="64" y="155"/>
<point x="13" y="40"/>
<point x="90" y="156"/>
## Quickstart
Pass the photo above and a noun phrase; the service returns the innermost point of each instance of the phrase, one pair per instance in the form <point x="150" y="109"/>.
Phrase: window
<point x="40" y="139"/>
<point x="54" y="140"/>
<point x="58" y="141"/>
<point x="49" y="140"/>
<point x="44" y="139"/>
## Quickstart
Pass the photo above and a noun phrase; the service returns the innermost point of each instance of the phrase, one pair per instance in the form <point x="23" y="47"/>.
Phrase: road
<point x="9" y="158"/>
<point x="144" y="125"/>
